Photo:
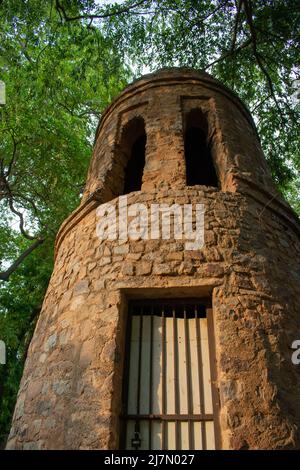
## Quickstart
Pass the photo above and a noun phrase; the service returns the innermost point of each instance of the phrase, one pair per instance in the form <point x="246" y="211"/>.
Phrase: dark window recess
<point x="199" y="163"/>
<point x="135" y="166"/>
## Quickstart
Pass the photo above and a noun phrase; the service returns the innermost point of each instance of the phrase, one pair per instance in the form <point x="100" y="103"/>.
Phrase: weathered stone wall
<point x="70" y="394"/>
<point x="163" y="100"/>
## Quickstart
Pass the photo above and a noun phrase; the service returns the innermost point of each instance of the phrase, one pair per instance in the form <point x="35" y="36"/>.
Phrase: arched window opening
<point x="199" y="163"/>
<point x="134" y="146"/>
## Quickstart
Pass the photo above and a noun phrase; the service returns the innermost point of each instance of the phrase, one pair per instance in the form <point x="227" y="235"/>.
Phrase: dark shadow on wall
<point x="199" y="163"/>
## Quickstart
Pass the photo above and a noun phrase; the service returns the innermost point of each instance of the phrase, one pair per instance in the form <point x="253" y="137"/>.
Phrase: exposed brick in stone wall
<point x="70" y="394"/>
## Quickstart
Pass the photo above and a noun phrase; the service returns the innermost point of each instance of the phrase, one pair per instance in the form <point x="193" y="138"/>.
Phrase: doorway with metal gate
<point x="170" y="399"/>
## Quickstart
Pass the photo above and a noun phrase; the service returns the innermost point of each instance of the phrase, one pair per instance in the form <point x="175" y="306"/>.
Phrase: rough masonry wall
<point x="163" y="102"/>
<point x="70" y="392"/>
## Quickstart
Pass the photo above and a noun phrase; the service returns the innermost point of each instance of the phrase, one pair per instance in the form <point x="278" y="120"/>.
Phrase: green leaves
<point x="59" y="77"/>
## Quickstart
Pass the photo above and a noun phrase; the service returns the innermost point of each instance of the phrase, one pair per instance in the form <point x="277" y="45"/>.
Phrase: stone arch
<point x="200" y="167"/>
<point x="131" y="152"/>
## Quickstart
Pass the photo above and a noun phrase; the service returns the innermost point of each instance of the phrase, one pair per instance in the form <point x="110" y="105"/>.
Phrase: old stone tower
<point x="147" y="343"/>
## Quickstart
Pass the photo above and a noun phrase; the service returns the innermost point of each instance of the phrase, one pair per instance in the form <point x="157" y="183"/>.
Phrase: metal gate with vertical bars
<point x="170" y="399"/>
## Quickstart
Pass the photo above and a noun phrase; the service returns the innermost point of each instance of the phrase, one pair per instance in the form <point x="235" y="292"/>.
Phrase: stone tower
<point x="145" y="342"/>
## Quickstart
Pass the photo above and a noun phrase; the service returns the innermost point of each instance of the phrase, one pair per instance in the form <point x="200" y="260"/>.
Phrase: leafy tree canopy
<point x="58" y="78"/>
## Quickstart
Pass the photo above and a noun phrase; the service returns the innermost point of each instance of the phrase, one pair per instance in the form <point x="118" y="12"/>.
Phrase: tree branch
<point x="26" y="199"/>
<point x="5" y="275"/>
<point x="249" y="17"/>
<point x="229" y="53"/>
<point x="21" y="219"/>
<point x="196" y="20"/>
<point x="79" y="115"/>
<point x="236" y="24"/>
<point x="14" y="155"/>
<point x="61" y="10"/>
<point x="260" y="103"/>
